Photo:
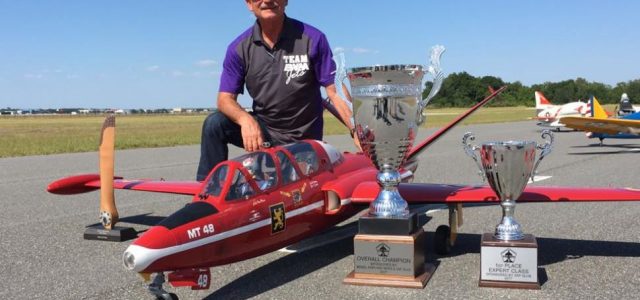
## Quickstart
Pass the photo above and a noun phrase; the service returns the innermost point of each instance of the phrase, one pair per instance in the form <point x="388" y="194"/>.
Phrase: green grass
<point x="41" y="135"/>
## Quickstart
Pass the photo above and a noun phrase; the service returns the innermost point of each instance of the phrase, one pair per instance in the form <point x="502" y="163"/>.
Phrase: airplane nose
<point x="152" y="246"/>
<point x="129" y="260"/>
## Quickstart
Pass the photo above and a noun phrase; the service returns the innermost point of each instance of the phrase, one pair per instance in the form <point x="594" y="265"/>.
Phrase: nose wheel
<point x="156" y="289"/>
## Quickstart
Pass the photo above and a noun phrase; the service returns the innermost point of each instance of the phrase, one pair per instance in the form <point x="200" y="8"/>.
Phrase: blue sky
<point x="156" y="53"/>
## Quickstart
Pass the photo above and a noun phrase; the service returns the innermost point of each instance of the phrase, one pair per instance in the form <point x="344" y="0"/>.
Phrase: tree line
<point x="464" y="90"/>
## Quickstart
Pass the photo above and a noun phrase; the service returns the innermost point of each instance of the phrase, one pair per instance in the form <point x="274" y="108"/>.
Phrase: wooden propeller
<point x="108" y="211"/>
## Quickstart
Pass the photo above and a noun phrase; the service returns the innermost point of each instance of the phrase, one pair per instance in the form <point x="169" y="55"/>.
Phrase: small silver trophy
<point x="507" y="166"/>
<point x="508" y="257"/>
<point x="388" y="110"/>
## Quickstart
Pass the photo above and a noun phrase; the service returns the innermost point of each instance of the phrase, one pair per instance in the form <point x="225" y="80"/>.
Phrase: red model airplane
<point x="265" y="200"/>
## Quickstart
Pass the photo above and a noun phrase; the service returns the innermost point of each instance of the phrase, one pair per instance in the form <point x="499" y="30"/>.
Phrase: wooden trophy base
<point x="391" y="281"/>
<point x="390" y="252"/>
<point x="509" y="264"/>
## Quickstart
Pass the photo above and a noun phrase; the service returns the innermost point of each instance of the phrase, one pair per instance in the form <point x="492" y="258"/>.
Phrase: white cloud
<point x="177" y="73"/>
<point x="363" y="50"/>
<point x="153" y="68"/>
<point x="206" y="63"/>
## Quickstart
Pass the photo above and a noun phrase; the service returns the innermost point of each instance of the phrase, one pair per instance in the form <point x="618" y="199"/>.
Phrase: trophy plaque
<point x="508" y="257"/>
<point x="388" y="110"/>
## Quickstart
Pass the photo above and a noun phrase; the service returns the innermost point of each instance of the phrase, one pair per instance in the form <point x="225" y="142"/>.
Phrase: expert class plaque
<point x="512" y="264"/>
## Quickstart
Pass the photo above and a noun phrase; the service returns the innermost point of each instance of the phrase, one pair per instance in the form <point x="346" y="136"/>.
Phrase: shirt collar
<point x="256" y="35"/>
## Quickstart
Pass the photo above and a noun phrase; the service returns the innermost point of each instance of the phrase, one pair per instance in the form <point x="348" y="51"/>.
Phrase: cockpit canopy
<point x="252" y="173"/>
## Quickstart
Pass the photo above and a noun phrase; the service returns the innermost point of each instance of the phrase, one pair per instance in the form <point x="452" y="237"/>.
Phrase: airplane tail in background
<point x="541" y="101"/>
<point x="597" y="112"/>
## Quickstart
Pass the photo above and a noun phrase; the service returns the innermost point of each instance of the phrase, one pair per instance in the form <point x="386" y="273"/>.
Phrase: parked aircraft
<point x="625" y="107"/>
<point x="600" y="126"/>
<point x="548" y="115"/>
<point x="268" y="199"/>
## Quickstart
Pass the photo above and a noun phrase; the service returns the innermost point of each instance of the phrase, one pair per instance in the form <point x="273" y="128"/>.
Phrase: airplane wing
<point x="90" y="182"/>
<point x="424" y="193"/>
<point x="610" y="126"/>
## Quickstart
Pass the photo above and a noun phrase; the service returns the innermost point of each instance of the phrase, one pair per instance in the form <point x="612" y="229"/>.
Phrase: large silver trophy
<point x="508" y="166"/>
<point x="388" y="110"/>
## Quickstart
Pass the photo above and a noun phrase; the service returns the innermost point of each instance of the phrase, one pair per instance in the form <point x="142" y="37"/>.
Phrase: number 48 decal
<point x="204" y="280"/>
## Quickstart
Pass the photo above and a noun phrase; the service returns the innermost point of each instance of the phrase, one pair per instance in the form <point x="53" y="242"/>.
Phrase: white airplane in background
<point x="549" y="115"/>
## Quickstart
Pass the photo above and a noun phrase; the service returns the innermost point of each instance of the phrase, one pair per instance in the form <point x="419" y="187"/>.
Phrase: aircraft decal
<point x="258" y="201"/>
<point x="278" y="218"/>
<point x="286" y="194"/>
<point x="132" y="184"/>
<point x="254" y="215"/>
<point x="297" y="198"/>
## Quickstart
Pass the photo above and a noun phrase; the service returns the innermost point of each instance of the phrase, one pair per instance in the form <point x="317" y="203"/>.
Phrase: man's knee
<point x="214" y="124"/>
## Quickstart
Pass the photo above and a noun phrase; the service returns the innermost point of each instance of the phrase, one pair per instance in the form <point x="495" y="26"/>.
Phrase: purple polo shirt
<point x="285" y="81"/>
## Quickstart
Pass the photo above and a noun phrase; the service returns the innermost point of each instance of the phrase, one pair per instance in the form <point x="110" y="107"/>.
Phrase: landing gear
<point x="601" y="142"/>
<point x="155" y="288"/>
<point x="445" y="236"/>
<point x="442" y="240"/>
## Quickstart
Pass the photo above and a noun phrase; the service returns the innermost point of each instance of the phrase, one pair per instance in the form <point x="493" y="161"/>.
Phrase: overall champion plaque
<point x="508" y="258"/>
<point x="388" y="110"/>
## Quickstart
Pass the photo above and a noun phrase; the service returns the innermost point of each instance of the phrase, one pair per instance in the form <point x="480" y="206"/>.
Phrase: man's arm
<point x="343" y="110"/>
<point x="250" y="129"/>
<point x="340" y="105"/>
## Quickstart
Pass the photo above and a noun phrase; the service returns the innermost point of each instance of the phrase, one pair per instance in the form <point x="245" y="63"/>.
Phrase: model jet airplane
<point x="265" y="200"/>
<point x="549" y="115"/>
<point x="600" y="126"/>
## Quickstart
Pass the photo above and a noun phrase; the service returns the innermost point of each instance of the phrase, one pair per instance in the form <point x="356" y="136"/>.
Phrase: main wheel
<point x="442" y="240"/>
<point x="168" y="296"/>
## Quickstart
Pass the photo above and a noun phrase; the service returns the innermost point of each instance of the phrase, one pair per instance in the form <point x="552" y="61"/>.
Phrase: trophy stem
<point x="508" y="229"/>
<point x="389" y="202"/>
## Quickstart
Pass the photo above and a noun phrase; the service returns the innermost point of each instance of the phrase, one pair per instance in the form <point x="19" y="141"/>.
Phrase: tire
<point x="442" y="240"/>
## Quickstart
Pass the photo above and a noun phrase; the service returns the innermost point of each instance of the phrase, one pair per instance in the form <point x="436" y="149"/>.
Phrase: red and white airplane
<point x="549" y="115"/>
<point x="266" y="200"/>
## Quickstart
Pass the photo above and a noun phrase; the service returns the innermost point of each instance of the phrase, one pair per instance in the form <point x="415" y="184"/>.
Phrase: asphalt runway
<point x="586" y="250"/>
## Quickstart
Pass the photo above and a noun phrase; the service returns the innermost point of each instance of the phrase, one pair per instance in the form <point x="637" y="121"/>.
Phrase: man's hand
<point x="251" y="133"/>
<point x="249" y="126"/>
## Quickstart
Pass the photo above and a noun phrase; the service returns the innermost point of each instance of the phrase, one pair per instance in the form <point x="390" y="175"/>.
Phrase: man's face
<point x="267" y="9"/>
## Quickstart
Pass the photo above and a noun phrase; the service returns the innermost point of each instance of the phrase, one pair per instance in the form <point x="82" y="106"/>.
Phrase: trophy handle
<point x="341" y="75"/>
<point x="471" y="151"/>
<point x="546" y="149"/>
<point x="435" y="71"/>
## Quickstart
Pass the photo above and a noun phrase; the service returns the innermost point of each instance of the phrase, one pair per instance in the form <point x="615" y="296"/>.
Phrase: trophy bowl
<point x="388" y="109"/>
<point x="507" y="166"/>
<point x="385" y="104"/>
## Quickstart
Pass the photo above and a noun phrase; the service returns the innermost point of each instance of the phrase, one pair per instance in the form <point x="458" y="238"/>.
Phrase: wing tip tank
<point x="73" y="185"/>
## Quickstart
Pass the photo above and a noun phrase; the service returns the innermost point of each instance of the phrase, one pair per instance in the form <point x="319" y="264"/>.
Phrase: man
<point x="283" y="63"/>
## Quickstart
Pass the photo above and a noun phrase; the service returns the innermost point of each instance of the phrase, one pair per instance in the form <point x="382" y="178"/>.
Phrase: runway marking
<point x="539" y="178"/>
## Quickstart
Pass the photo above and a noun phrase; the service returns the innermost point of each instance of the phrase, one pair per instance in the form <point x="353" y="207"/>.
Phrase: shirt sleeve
<point x="232" y="78"/>
<point x="324" y="65"/>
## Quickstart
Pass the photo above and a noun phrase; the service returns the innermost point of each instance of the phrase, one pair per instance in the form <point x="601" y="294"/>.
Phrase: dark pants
<point x="217" y="132"/>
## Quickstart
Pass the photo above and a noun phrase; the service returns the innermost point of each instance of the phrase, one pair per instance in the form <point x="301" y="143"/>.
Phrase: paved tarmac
<point x="586" y="250"/>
